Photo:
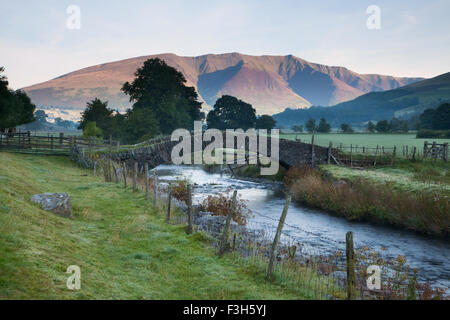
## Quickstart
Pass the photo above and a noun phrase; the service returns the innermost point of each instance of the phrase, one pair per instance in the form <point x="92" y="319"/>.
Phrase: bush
<point x="220" y="205"/>
<point x="179" y="190"/>
<point x="435" y="134"/>
<point x="91" y="130"/>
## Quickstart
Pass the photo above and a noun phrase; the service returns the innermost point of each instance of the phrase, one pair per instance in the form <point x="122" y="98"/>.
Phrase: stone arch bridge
<point x="291" y="153"/>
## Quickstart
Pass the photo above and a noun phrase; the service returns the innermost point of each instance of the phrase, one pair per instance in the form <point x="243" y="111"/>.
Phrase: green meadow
<point x="370" y="140"/>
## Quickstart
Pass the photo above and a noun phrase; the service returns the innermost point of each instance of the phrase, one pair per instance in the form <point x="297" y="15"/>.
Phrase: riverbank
<point x="124" y="247"/>
<point x="390" y="196"/>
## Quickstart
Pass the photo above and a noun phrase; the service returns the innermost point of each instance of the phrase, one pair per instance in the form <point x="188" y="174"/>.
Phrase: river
<point x="320" y="230"/>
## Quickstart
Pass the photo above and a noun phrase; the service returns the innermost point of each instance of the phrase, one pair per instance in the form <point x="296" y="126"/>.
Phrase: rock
<point x="58" y="203"/>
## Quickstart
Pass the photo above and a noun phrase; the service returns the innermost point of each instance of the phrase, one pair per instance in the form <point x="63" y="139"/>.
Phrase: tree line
<point x="162" y="103"/>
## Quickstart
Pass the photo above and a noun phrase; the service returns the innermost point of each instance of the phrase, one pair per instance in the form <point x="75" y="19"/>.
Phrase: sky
<point x="37" y="45"/>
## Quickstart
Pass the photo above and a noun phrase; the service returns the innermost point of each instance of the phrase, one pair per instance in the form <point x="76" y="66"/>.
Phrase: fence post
<point x="61" y="137"/>
<point x="434" y="151"/>
<point x="312" y="150"/>
<point x="135" y="173"/>
<point x="169" y="201"/>
<point x="414" y="154"/>
<point x="277" y="237"/>
<point x="51" y="141"/>
<point x="351" y="155"/>
<point x="189" y="212"/>
<point x="155" y="188"/>
<point x="146" y="181"/>
<point x="110" y="143"/>
<point x="116" y="177"/>
<point x="376" y="154"/>
<point x="329" y="152"/>
<point x="445" y="151"/>
<point x="394" y="152"/>
<point x="226" y="229"/>
<point x="124" y="173"/>
<point x="350" y="255"/>
<point x="425" y="149"/>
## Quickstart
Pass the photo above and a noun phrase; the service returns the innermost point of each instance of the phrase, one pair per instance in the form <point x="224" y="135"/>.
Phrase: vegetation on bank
<point x="124" y="247"/>
<point x="359" y="198"/>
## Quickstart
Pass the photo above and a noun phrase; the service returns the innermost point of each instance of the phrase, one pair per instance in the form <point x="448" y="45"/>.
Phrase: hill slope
<point x="401" y="102"/>
<point x="269" y="83"/>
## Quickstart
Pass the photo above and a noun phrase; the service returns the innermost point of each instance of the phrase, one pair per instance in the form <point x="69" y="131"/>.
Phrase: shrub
<point x="435" y="134"/>
<point x="220" y="205"/>
<point x="179" y="190"/>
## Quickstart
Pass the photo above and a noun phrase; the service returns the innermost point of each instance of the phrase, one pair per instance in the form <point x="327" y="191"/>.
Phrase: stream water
<point x="320" y="230"/>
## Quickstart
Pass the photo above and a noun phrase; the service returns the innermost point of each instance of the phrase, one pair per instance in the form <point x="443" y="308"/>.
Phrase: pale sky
<point x="36" y="45"/>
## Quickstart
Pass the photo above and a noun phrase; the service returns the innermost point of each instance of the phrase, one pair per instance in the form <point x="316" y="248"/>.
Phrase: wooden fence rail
<point x="26" y="142"/>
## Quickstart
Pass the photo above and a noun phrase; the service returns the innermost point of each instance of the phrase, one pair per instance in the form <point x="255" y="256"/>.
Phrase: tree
<point x="311" y="125"/>
<point x="96" y="111"/>
<point x="395" y="125"/>
<point x="371" y="127"/>
<point x="91" y="130"/>
<point x="231" y="113"/>
<point x="441" y="117"/>
<point x="382" y="126"/>
<point x="323" y="126"/>
<point x="265" y="122"/>
<point x="160" y="91"/>
<point x="298" y="128"/>
<point x="15" y="106"/>
<point x="426" y="119"/>
<point x="346" y="128"/>
<point x="41" y="116"/>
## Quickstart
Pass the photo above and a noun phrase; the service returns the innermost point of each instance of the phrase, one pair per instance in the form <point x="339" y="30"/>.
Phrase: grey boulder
<point x="58" y="203"/>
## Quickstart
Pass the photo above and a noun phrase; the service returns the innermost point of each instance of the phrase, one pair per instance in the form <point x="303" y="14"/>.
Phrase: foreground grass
<point x="124" y="248"/>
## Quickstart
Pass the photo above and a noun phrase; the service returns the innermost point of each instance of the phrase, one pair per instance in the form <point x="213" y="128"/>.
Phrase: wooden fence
<point x="26" y="142"/>
<point x="435" y="150"/>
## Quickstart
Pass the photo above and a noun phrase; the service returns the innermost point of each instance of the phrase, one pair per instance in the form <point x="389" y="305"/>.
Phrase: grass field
<point x="124" y="247"/>
<point x="365" y="139"/>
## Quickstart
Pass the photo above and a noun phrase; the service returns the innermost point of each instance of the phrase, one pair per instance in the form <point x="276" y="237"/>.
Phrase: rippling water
<point x="320" y="230"/>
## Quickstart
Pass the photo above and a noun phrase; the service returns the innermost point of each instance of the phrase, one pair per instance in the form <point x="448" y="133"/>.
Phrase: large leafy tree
<point x="159" y="93"/>
<point x="231" y="113"/>
<point x="383" y="126"/>
<point x="426" y="119"/>
<point x="265" y="122"/>
<point x="96" y="111"/>
<point x="15" y="106"/>
<point x="441" y="117"/>
<point x="324" y="126"/>
<point x="311" y="125"/>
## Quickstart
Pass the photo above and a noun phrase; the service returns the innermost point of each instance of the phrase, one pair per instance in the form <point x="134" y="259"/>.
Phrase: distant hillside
<point x="403" y="102"/>
<point x="269" y="83"/>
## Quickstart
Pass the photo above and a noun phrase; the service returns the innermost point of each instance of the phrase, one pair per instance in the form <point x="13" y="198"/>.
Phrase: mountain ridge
<point x="270" y="83"/>
<point x="404" y="102"/>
